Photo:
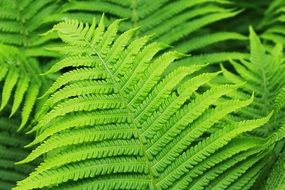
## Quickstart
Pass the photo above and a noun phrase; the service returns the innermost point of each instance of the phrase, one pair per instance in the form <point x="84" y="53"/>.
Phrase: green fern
<point x="276" y="179"/>
<point x="182" y="24"/>
<point x="11" y="151"/>
<point x="20" y="80"/>
<point x="174" y="20"/>
<point x="125" y="112"/>
<point x="273" y="22"/>
<point x="264" y="74"/>
<point x="131" y="124"/>
<point x="22" y="22"/>
<point x="168" y="21"/>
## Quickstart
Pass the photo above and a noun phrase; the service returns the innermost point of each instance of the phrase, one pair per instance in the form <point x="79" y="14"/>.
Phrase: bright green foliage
<point x="121" y="107"/>
<point x="118" y="120"/>
<point x="21" y="82"/>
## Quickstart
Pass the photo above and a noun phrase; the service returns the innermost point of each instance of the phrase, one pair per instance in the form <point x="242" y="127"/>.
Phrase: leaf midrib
<point x="131" y="116"/>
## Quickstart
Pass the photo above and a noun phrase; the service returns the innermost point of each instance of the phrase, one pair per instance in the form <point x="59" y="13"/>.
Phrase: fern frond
<point x="200" y="42"/>
<point x="245" y="181"/>
<point x="117" y="182"/>
<point x="214" y="173"/>
<point x="263" y="73"/>
<point x="212" y="58"/>
<point x="167" y="21"/>
<point x="232" y="149"/>
<point x="231" y="175"/>
<point x="11" y="151"/>
<point x="92" y="151"/>
<point x="203" y="150"/>
<point x="21" y="81"/>
<point x="273" y="23"/>
<point x="202" y="125"/>
<point x="280" y="100"/>
<point x="132" y="117"/>
<point x="276" y="179"/>
<point x="22" y="22"/>
<point x="86" y="169"/>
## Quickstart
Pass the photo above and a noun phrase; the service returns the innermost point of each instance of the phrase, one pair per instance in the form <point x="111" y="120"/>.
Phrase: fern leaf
<point x="244" y="180"/>
<point x="263" y="73"/>
<point x="273" y="22"/>
<point x="212" y="174"/>
<point x="191" y="26"/>
<point x="187" y="137"/>
<point x="184" y="117"/>
<point x="11" y="151"/>
<point x="213" y="58"/>
<point x="10" y="83"/>
<point x="77" y="88"/>
<point x="279" y="100"/>
<point x="22" y="87"/>
<point x="131" y="116"/>
<point x="31" y="98"/>
<point x="167" y="21"/>
<point x="219" y="158"/>
<point x="276" y="179"/>
<point x="21" y="23"/>
<point x="204" y="149"/>
<point x="92" y="151"/>
<point x="231" y="175"/>
<point x="79" y="74"/>
<point x="85" y="169"/>
<point x="21" y="81"/>
<point x="81" y="136"/>
<point x="204" y="41"/>
<point x="119" y="181"/>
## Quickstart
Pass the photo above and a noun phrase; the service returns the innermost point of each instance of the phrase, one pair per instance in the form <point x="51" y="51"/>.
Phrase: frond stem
<point x="131" y="116"/>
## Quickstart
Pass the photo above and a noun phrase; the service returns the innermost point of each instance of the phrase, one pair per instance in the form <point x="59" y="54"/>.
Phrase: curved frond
<point x="133" y="117"/>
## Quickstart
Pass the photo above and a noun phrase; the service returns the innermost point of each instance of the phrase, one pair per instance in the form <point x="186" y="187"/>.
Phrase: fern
<point x="126" y="110"/>
<point x="276" y="178"/>
<point x="174" y="21"/>
<point x="11" y="151"/>
<point x="168" y="21"/>
<point x="148" y="130"/>
<point x="264" y="74"/>
<point x="20" y="80"/>
<point x="273" y="22"/>
<point x="21" y="22"/>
